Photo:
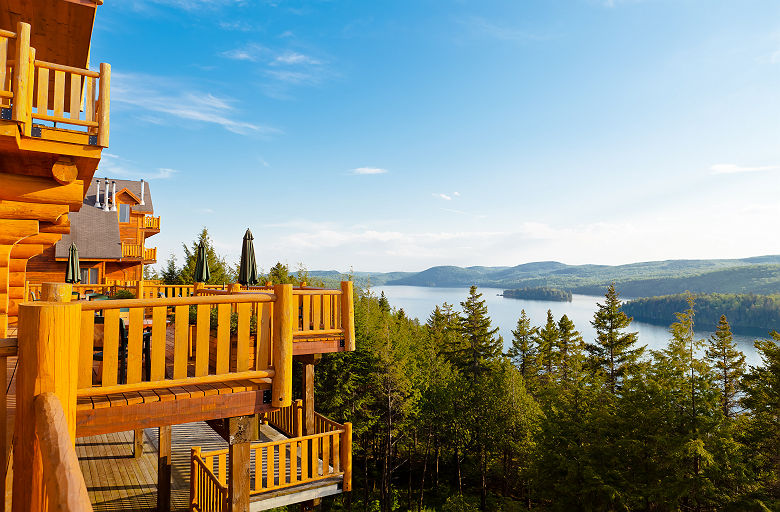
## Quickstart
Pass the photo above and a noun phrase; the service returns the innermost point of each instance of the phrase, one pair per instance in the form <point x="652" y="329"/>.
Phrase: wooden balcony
<point x="151" y="224"/>
<point x="284" y="472"/>
<point x="137" y="251"/>
<point x="139" y="363"/>
<point x="49" y="101"/>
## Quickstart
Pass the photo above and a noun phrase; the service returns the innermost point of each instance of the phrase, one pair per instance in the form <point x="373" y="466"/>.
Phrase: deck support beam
<point x="138" y="443"/>
<point x="308" y="411"/>
<point x="164" y="469"/>
<point x="241" y="431"/>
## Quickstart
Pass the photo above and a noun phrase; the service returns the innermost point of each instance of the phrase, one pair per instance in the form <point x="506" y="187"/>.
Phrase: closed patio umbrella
<point x="202" y="272"/>
<point x="73" y="272"/>
<point x="247" y="270"/>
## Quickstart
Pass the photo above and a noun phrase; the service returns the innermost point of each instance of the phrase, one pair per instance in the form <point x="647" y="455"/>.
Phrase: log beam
<point x="32" y="189"/>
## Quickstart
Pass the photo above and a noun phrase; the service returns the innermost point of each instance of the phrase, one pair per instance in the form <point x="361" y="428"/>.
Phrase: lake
<point x="418" y="302"/>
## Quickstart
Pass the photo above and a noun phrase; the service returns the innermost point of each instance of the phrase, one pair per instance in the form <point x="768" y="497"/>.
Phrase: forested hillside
<point x="745" y="312"/>
<point x="760" y="275"/>
<point x="538" y="294"/>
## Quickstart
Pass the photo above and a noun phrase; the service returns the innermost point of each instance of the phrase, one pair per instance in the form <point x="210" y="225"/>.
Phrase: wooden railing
<point x="46" y="91"/>
<point x="65" y="486"/>
<point x="207" y="492"/>
<point x="150" y="254"/>
<point x="33" y="291"/>
<point x="151" y="222"/>
<point x="132" y="250"/>
<point x="215" y="359"/>
<point x="279" y="464"/>
<point x="287" y="420"/>
<point x="8" y="348"/>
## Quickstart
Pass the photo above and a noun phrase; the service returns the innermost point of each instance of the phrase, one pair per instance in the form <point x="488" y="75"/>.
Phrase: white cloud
<point x="734" y="169"/>
<point x="456" y="194"/>
<point x="163" y="173"/>
<point x="484" y="28"/>
<point x="171" y="97"/>
<point x="443" y="196"/>
<point x="369" y="170"/>
<point x="293" y="58"/>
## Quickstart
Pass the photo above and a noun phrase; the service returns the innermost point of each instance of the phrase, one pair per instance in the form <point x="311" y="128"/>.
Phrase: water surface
<point x="418" y="302"/>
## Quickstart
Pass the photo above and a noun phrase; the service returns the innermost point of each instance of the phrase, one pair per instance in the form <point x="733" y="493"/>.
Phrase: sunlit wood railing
<point x="287" y="420"/>
<point x="150" y="255"/>
<point x="65" y="486"/>
<point x="8" y="348"/>
<point x="280" y="464"/>
<point x="138" y="367"/>
<point x="207" y="492"/>
<point x="151" y="222"/>
<point x="33" y="290"/>
<point x="37" y="90"/>
<point x="6" y="68"/>
<point x="132" y="250"/>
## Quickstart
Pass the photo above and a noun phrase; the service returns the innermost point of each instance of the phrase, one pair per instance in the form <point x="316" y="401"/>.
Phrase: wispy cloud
<point x="292" y="58"/>
<point x="112" y="165"/>
<point x="734" y="169"/>
<point x="368" y="170"/>
<point x="163" y="173"/>
<point x="446" y="197"/>
<point x="482" y="27"/>
<point x="173" y="98"/>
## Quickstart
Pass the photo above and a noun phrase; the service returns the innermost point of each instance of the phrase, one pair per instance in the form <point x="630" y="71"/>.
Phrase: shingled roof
<point x="96" y="232"/>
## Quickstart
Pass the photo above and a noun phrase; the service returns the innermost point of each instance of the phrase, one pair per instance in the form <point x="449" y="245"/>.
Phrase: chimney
<point x="113" y="195"/>
<point x="105" y="196"/>
<point x="143" y="188"/>
<point x="97" y="196"/>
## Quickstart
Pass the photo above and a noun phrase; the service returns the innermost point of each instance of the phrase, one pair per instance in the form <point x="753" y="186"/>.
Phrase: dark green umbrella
<point x="247" y="270"/>
<point x="202" y="272"/>
<point x="73" y="272"/>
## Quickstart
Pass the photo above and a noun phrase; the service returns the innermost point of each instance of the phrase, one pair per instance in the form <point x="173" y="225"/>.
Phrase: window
<point x="89" y="276"/>
<point x="124" y="213"/>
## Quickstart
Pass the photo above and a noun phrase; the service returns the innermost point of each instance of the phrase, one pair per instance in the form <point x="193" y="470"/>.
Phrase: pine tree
<point x="170" y="274"/>
<point x="570" y="348"/>
<point x="547" y="339"/>
<point x="480" y="342"/>
<point x="384" y="305"/>
<point x="523" y="351"/>
<point x="221" y="272"/>
<point x="614" y="352"/>
<point x="729" y="365"/>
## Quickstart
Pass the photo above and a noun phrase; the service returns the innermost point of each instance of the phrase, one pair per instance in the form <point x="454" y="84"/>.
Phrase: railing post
<point x="56" y="292"/>
<point x="281" y="392"/>
<point x="194" y="455"/>
<point x="346" y="456"/>
<point x="104" y="104"/>
<point x="299" y="418"/>
<point x="49" y="334"/>
<point x="348" y="314"/>
<point x="21" y="73"/>
<point x="139" y="287"/>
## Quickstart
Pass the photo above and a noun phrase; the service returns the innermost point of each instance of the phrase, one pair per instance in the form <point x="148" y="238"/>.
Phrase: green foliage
<point x="539" y="293"/>
<point x="523" y="351"/>
<point x="746" y="312"/>
<point x="728" y="364"/>
<point x="123" y="294"/>
<point x="221" y="271"/>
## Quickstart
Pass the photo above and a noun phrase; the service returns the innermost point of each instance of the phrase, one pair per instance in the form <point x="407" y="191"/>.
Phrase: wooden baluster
<point x="316" y="312"/>
<point x="306" y="312"/>
<point x="346" y="456"/>
<point x="326" y="311"/>
<point x="43" y="91"/>
<point x="180" y="344"/>
<point x="59" y="93"/>
<point x="258" y="469"/>
<point x="3" y="66"/>
<point x="158" y="343"/>
<point x="194" y="477"/>
<point x="86" y="353"/>
<point x="282" y="464"/>
<point x="223" y="339"/>
<point x="348" y="315"/>
<point x="135" y="343"/>
<point x="110" y="347"/>
<point x="336" y="453"/>
<point x="202" y="340"/>
<point x="75" y="96"/>
<point x="89" y="100"/>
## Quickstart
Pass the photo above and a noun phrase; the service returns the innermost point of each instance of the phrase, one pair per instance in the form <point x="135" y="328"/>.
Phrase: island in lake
<point x="539" y="293"/>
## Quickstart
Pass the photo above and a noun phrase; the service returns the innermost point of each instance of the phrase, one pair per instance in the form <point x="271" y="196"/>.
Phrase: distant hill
<point x="760" y="275"/>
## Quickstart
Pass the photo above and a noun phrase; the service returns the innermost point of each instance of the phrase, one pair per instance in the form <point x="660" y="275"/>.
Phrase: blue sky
<point x="398" y="135"/>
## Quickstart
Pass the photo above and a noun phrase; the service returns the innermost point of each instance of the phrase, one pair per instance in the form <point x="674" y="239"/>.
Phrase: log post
<point x="164" y="469"/>
<point x="56" y="292"/>
<point x="196" y="287"/>
<point x="241" y="433"/>
<point x="348" y="315"/>
<point x="299" y="418"/>
<point x="104" y="104"/>
<point x="138" y="443"/>
<point x="281" y="392"/>
<point x="49" y="334"/>
<point x="234" y="287"/>
<point x="308" y="394"/>
<point x="21" y="73"/>
<point x="346" y="456"/>
<point x="194" y="455"/>
<point x="139" y="287"/>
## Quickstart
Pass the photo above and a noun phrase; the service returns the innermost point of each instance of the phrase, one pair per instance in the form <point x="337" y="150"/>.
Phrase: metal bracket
<point x="266" y="396"/>
<point x="5" y="113"/>
<point x="93" y="140"/>
<point x="342" y="343"/>
<point x="36" y="131"/>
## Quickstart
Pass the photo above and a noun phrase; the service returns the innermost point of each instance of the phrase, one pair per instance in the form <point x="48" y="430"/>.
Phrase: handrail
<point x="61" y="473"/>
<point x="66" y="69"/>
<point x="176" y="301"/>
<point x="207" y="493"/>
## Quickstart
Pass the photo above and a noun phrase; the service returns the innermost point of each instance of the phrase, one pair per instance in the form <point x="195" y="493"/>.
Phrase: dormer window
<point x="124" y="213"/>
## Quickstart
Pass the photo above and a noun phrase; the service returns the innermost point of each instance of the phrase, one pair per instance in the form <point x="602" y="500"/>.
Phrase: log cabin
<point x="110" y="232"/>
<point x="218" y="361"/>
